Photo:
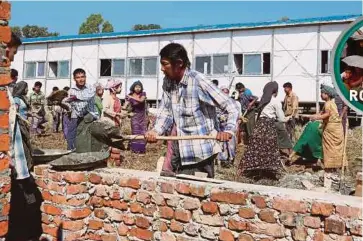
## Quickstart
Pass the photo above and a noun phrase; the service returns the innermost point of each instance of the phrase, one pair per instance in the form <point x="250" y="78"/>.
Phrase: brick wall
<point x="5" y="36"/>
<point x="134" y="205"/>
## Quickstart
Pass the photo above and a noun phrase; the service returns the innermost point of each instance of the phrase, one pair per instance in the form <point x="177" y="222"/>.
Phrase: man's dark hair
<point x="239" y="86"/>
<point x="78" y="71"/>
<point x="287" y="85"/>
<point x="349" y="68"/>
<point x="15" y="40"/>
<point x="215" y="81"/>
<point x="14" y="73"/>
<point x="66" y="88"/>
<point x="175" y="52"/>
<point x="55" y="88"/>
<point x="38" y="84"/>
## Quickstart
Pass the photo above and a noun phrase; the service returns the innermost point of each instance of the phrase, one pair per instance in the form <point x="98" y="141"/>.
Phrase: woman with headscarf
<point x="228" y="148"/>
<point x="262" y="153"/>
<point x="112" y="104"/>
<point x="333" y="134"/>
<point x="137" y="100"/>
<point x="98" y="98"/>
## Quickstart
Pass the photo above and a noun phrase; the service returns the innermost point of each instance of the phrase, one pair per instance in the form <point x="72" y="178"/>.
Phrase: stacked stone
<point x="5" y="37"/>
<point x="115" y="158"/>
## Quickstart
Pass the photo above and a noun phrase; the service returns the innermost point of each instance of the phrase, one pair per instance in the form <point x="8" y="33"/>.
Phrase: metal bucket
<point x="41" y="156"/>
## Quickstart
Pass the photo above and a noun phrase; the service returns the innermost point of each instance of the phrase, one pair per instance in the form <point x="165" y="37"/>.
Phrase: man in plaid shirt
<point x="189" y="102"/>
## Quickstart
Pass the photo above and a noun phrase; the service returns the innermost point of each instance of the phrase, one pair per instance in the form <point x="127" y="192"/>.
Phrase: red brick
<point x="5" y="10"/>
<point x="115" y="195"/>
<point x="176" y="226"/>
<point x="312" y="222"/>
<point x="288" y="219"/>
<point x="4" y="142"/>
<point x="3" y="228"/>
<point x="100" y="213"/>
<point x="54" y="176"/>
<point x="142" y="222"/>
<point x="54" y="186"/>
<point x="198" y="191"/>
<point x="5" y="209"/>
<point x="73" y="236"/>
<point x="324" y="209"/>
<point x="229" y="197"/>
<point x="246" y="213"/>
<point x="225" y="235"/>
<point x="182" y="188"/>
<point x="119" y="205"/>
<point x="78" y="213"/>
<point x="167" y="237"/>
<point x="4" y="119"/>
<point x="73" y="225"/>
<point x="237" y="225"/>
<point x="163" y="227"/>
<point x="123" y="230"/>
<point x="51" y="209"/>
<point x="5" y="188"/>
<point x="128" y="219"/>
<point x="167" y="188"/>
<point x="94" y="178"/>
<point x="141" y="233"/>
<point x="183" y="215"/>
<point x="356" y="228"/>
<point x="4" y="100"/>
<point x="96" y="201"/>
<point x="269" y="229"/>
<point x="76" y="189"/>
<point x="299" y="234"/>
<point x="101" y="191"/>
<point x="143" y="197"/>
<point x="5" y="34"/>
<point x="210" y="207"/>
<point x="166" y="212"/>
<point x="95" y="224"/>
<point x="135" y="208"/>
<point x="59" y="199"/>
<point x="46" y="219"/>
<point x="334" y="225"/>
<point x="75" y="177"/>
<point x="131" y="182"/>
<point x="149" y="185"/>
<point x="93" y="236"/>
<point x="158" y="199"/>
<point x="245" y="237"/>
<point x="267" y="215"/>
<point x="191" y="203"/>
<point x="52" y="231"/>
<point x="259" y="201"/>
<point x="109" y="237"/>
<point x="4" y="165"/>
<point x="149" y="211"/>
<point x="287" y="205"/>
<point x="349" y="212"/>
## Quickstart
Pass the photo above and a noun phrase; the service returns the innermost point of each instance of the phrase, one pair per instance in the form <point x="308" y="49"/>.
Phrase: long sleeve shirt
<point x="273" y="110"/>
<point x="82" y="101"/>
<point x="191" y="104"/>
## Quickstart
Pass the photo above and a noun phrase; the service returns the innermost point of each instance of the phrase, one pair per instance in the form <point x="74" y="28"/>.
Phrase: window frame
<point x="212" y="63"/>
<point x="143" y="66"/>
<point x="112" y="70"/>
<point x="36" y="76"/>
<point x="243" y="74"/>
<point x="329" y="62"/>
<point x="58" y="69"/>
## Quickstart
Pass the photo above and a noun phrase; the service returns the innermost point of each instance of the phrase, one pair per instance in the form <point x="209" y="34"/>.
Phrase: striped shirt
<point x="82" y="101"/>
<point x="192" y="105"/>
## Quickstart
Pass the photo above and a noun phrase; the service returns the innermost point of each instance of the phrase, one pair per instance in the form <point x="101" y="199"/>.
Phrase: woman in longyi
<point x="333" y="134"/>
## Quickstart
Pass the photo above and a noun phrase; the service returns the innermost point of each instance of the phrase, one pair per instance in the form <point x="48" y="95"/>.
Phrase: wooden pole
<point x="168" y="138"/>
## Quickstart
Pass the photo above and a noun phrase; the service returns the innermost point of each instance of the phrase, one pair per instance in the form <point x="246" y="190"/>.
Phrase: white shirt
<point x="274" y="110"/>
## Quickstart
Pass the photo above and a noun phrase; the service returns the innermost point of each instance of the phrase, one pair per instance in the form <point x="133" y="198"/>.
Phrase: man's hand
<point x="224" y="136"/>
<point x="150" y="136"/>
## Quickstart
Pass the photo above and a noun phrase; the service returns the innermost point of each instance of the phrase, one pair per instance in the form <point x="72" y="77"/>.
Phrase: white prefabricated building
<point x="296" y="51"/>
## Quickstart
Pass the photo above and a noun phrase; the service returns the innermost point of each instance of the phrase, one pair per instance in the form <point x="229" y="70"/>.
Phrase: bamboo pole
<point x="170" y="138"/>
<point x="344" y="160"/>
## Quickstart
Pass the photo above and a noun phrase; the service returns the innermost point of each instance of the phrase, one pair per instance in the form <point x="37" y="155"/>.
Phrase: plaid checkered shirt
<point x="191" y="104"/>
<point x="82" y="101"/>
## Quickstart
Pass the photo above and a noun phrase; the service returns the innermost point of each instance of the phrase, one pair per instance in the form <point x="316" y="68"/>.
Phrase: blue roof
<point x="202" y="28"/>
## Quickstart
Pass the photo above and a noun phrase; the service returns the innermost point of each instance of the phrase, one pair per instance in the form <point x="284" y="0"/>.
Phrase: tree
<point x="32" y="31"/>
<point x="138" y="27"/>
<point x="95" y="24"/>
<point x="17" y="31"/>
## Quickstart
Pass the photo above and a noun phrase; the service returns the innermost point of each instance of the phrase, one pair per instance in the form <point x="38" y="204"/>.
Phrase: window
<point x="30" y="69"/>
<point x="58" y="69"/>
<point x="203" y="64"/>
<point x="143" y="66"/>
<point x="325" y="62"/>
<point x="150" y="65"/>
<point x="112" y="67"/>
<point x="34" y="70"/>
<point x="220" y="64"/>
<point x="253" y="64"/>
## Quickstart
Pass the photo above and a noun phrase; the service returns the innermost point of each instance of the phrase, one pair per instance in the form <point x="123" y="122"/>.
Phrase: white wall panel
<point x="113" y="48"/>
<point x="296" y="38"/>
<point x="59" y="51"/>
<point x="143" y="46"/>
<point x="252" y="41"/>
<point x="35" y="52"/>
<point x="212" y="43"/>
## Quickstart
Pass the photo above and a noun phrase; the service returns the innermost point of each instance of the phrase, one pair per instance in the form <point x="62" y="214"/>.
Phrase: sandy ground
<point x="292" y="178"/>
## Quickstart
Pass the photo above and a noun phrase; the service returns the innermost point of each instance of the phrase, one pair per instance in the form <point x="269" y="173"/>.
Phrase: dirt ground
<point x="294" y="176"/>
